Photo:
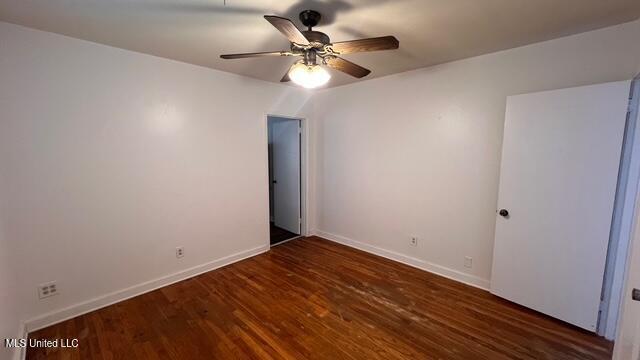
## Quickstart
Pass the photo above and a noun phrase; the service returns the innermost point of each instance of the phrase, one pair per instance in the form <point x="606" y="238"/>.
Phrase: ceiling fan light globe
<point x="309" y="76"/>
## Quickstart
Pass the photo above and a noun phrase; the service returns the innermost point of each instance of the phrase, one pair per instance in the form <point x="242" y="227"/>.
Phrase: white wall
<point x="9" y="303"/>
<point x="110" y="159"/>
<point x="418" y="153"/>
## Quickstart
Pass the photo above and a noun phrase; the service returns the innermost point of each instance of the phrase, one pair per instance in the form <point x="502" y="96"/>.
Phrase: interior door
<point x="560" y="158"/>
<point x="286" y="173"/>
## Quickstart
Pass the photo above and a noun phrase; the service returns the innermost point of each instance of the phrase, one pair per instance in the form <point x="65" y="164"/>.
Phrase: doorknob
<point x="275" y="181"/>
<point x="635" y="294"/>
<point x="504" y="213"/>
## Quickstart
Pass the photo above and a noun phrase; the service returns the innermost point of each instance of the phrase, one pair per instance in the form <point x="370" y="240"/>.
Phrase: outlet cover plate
<point x="413" y="241"/>
<point x="47" y="290"/>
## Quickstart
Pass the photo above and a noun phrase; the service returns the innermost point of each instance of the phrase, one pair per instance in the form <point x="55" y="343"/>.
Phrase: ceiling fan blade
<point x="288" y="29"/>
<point x="258" y="54"/>
<point x="370" y="44"/>
<point x="346" y="66"/>
<point x="286" y="77"/>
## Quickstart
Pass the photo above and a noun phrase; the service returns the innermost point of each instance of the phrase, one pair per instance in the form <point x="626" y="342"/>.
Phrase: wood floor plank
<point x="314" y="299"/>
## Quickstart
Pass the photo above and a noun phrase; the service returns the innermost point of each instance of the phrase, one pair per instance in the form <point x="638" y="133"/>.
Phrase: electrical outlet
<point x="179" y="252"/>
<point x="413" y="241"/>
<point x="468" y="262"/>
<point x="48" y="289"/>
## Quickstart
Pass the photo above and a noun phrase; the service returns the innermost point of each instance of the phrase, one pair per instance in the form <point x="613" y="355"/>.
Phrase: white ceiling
<point x="430" y="31"/>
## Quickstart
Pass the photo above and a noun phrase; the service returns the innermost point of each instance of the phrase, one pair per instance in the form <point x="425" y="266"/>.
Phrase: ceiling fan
<point x="316" y="49"/>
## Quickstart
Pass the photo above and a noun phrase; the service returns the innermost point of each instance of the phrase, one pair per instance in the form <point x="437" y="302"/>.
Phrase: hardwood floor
<point x="278" y="235"/>
<point x="314" y="299"/>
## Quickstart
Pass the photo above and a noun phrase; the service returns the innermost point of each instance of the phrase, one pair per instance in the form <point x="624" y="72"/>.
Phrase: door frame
<point x="622" y="222"/>
<point x="625" y="324"/>
<point x="304" y="173"/>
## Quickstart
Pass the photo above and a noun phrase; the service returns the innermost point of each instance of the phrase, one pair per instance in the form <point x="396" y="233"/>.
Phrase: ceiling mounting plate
<point x="310" y="18"/>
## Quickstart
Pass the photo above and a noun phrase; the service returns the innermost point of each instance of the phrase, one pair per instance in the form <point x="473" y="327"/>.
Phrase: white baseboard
<point x="456" y="275"/>
<point x="72" y="311"/>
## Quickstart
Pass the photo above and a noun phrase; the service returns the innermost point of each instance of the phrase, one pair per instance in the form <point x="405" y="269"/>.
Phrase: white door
<point x="286" y="173"/>
<point x="560" y="158"/>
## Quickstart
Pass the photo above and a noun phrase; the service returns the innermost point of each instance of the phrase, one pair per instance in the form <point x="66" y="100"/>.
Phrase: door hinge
<point x="603" y="305"/>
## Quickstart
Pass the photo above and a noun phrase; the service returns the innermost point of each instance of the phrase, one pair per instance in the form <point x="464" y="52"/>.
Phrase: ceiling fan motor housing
<point x="316" y="36"/>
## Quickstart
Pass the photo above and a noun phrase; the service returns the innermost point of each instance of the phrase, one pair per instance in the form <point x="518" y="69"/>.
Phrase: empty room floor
<point x="313" y="299"/>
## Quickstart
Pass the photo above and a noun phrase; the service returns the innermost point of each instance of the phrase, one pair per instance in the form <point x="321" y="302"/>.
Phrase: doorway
<point x="285" y="178"/>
